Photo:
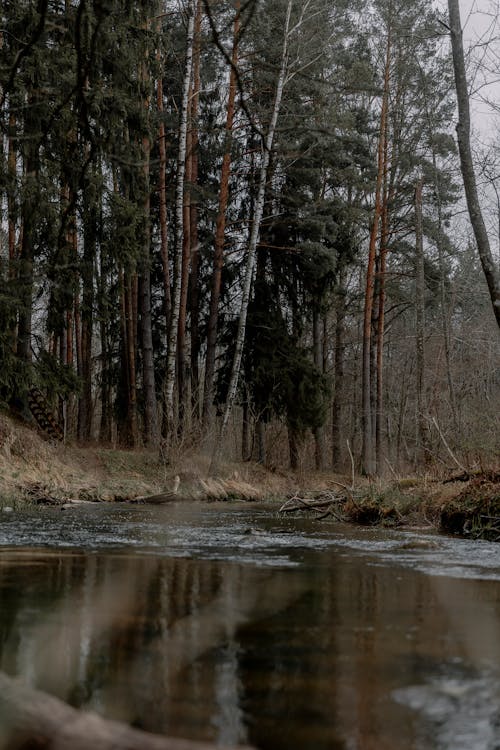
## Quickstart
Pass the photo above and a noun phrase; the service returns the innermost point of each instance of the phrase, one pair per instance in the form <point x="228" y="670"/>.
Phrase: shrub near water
<point x="475" y="512"/>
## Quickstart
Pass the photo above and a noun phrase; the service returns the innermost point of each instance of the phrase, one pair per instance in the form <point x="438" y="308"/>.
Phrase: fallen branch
<point x="299" y="503"/>
<point x="352" y="464"/>
<point x="348" y="490"/>
<point x="31" y="718"/>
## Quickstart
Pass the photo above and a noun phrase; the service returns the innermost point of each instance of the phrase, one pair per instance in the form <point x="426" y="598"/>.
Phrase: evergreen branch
<point x="42" y="11"/>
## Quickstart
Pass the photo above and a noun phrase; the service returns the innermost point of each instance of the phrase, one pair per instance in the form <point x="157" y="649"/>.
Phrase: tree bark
<point x="132" y="437"/>
<point x="25" y="277"/>
<point x="319" y="435"/>
<point x="186" y="258"/>
<point x="162" y="192"/>
<point x="491" y="273"/>
<point x="179" y="236"/>
<point x="369" y="467"/>
<point x="338" y="394"/>
<point x="442" y="296"/>
<point x="421" y="454"/>
<point x="194" y="292"/>
<point x="11" y="196"/>
<point x="151" y="425"/>
<point x="87" y="269"/>
<point x="384" y="238"/>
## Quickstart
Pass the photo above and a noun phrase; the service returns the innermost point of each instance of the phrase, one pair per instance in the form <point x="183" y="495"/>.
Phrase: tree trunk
<point x="179" y="237"/>
<point x="491" y="273"/>
<point x="369" y="467"/>
<point x="162" y="193"/>
<point x="194" y="292"/>
<point x="338" y="395"/>
<point x="11" y="196"/>
<point x="186" y="258"/>
<point x="151" y="425"/>
<point x="384" y="238"/>
<point x="87" y="270"/>
<point x="319" y="436"/>
<point x="132" y="437"/>
<point x="421" y="454"/>
<point x="254" y="237"/>
<point x="442" y="297"/>
<point x="105" y="426"/>
<point x="208" y="390"/>
<point x="25" y="276"/>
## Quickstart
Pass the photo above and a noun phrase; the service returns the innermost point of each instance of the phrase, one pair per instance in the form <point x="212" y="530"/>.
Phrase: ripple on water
<point x="244" y="534"/>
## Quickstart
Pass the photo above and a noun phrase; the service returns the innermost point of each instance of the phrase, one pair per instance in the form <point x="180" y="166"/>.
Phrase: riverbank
<point x="34" y="471"/>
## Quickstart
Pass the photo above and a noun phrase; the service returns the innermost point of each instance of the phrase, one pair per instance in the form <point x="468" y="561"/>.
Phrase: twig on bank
<point x="304" y="504"/>
<point x="352" y="464"/>
<point x="460" y="466"/>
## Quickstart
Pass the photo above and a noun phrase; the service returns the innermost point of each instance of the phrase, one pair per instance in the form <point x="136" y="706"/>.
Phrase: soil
<point x="33" y="470"/>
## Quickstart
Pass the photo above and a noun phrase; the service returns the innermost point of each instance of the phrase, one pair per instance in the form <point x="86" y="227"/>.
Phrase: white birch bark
<point x="179" y="229"/>
<point x="253" y="241"/>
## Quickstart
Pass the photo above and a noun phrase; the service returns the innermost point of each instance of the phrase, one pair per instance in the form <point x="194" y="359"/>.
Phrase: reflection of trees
<point x="302" y="657"/>
<point x="124" y="630"/>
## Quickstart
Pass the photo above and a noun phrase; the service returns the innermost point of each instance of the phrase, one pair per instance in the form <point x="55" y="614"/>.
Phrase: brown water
<point x="231" y="624"/>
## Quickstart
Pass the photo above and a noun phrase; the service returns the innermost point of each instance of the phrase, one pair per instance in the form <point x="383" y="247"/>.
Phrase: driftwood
<point x="161" y="499"/>
<point x="300" y="503"/>
<point x="38" y="721"/>
<point x="328" y="504"/>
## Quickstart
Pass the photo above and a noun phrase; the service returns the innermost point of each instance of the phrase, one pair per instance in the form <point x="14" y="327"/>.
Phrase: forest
<point x="241" y="227"/>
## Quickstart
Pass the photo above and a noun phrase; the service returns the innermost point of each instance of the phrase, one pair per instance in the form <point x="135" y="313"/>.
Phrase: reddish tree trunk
<point x="208" y="392"/>
<point x="367" y="413"/>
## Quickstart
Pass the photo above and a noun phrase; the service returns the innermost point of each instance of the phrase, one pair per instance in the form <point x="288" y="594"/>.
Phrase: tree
<point x="490" y="271"/>
<point x="179" y="234"/>
<point x="254" y="236"/>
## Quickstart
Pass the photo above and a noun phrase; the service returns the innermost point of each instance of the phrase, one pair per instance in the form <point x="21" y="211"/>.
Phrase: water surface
<point x="232" y="624"/>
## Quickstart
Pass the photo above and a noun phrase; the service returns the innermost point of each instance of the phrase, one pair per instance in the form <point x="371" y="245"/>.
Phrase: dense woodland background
<point x="241" y="224"/>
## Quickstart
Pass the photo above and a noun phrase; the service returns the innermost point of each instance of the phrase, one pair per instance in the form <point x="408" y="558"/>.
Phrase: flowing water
<point x="232" y="624"/>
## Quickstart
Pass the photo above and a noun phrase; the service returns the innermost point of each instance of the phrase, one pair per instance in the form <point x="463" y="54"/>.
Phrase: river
<point x="230" y="623"/>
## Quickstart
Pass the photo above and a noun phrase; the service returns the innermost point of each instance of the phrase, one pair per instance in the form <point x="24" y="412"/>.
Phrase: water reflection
<point x="130" y="636"/>
<point x="337" y="650"/>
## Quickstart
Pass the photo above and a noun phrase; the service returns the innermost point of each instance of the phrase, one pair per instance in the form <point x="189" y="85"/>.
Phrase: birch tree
<point x="254" y="238"/>
<point x="179" y="231"/>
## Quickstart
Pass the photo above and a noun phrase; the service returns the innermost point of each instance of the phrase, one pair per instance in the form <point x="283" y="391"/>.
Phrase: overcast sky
<point x="481" y="27"/>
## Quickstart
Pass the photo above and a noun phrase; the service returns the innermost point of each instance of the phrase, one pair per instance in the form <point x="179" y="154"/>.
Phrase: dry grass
<point x="30" y="465"/>
<point x="31" y="468"/>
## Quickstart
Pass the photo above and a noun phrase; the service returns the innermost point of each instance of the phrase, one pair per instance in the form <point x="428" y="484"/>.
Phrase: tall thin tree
<point x="179" y="234"/>
<point x="491" y="272"/>
<point x="253" y="240"/>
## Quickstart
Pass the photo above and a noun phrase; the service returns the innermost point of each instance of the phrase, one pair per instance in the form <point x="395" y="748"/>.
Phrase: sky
<point x="481" y="29"/>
